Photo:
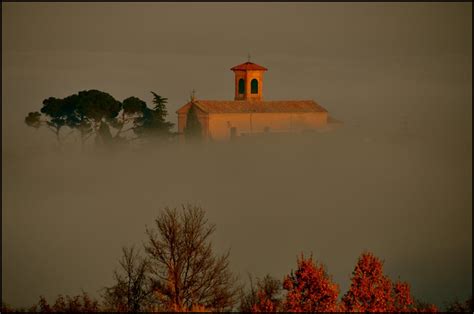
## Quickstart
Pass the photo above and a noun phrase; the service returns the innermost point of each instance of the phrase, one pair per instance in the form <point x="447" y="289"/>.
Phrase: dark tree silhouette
<point x="152" y="123"/>
<point x="96" y="109"/>
<point x="86" y="111"/>
<point x="193" y="129"/>
<point x="33" y="119"/>
<point x="160" y="105"/>
<point x="57" y="111"/>
<point x="133" y="106"/>
<point x="185" y="271"/>
<point x="97" y="106"/>
<point x="95" y="112"/>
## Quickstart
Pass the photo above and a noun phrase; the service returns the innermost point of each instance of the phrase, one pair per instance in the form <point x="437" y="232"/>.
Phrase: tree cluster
<point x="179" y="272"/>
<point x="310" y="289"/>
<point x="93" y="112"/>
<point x="63" y="304"/>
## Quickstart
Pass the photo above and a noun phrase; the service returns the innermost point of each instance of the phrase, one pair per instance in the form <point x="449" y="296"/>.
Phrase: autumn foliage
<point x="264" y="303"/>
<point x="402" y="299"/>
<point x="310" y="288"/>
<point x="372" y="291"/>
<point x="181" y="273"/>
<point x="265" y="298"/>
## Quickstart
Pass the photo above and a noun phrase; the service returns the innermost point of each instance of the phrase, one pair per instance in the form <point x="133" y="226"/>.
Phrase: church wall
<point x="250" y="123"/>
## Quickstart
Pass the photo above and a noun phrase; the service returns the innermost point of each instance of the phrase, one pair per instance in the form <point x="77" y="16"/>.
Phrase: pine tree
<point x="160" y="106"/>
<point x="153" y="122"/>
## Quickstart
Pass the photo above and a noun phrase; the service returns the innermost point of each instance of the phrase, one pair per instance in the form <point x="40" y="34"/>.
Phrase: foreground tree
<point x="185" y="272"/>
<point x="132" y="290"/>
<point x="310" y="289"/>
<point x="264" y="297"/>
<point x="404" y="302"/>
<point x="6" y="308"/>
<point x="67" y="304"/>
<point x="372" y="291"/>
<point x="461" y="307"/>
<point x="402" y="298"/>
<point x="424" y="307"/>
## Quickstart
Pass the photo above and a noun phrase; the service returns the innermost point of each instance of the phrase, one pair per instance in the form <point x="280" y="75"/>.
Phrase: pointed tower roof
<point x="248" y="66"/>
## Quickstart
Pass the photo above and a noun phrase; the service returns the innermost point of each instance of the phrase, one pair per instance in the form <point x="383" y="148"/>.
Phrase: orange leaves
<point x="402" y="299"/>
<point x="264" y="304"/>
<point x="310" y="288"/>
<point x="264" y="298"/>
<point x="372" y="291"/>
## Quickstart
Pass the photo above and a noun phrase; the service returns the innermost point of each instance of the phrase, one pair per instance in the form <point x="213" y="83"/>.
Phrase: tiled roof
<point x="248" y="66"/>
<point x="243" y="106"/>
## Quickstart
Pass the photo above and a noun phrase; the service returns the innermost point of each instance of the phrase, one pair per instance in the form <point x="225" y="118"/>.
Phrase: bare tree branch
<point x="185" y="271"/>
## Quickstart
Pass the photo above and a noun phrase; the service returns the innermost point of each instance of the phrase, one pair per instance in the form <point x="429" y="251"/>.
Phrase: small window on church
<point x="254" y="86"/>
<point x="241" y="86"/>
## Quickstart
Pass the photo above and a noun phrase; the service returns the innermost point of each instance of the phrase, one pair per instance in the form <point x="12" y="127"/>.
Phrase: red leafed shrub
<point x="402" y="299"/>
<point x="310" y="288"/>
<point x="264" y="304"/>
<point x="372" y="291"/>
<point x="264" y="297"/>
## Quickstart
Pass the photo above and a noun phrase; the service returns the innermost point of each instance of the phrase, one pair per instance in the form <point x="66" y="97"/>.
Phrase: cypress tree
<point x="193" y="129"/>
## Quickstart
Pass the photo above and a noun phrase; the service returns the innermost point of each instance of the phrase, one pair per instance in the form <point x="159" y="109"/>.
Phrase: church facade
<point x="249" y="114"/>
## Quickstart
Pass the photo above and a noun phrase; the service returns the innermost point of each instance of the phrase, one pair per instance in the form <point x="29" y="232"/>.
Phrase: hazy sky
<point x="396" y="179"/>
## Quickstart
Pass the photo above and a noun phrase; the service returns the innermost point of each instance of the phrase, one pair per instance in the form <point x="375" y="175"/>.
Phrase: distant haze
<point x="395" y="180"/>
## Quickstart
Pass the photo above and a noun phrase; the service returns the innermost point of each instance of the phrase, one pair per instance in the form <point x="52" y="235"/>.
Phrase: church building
<point x="249" y="114"/>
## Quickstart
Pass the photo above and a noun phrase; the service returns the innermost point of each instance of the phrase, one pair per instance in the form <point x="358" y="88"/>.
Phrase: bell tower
<point x="248" y="81"/>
